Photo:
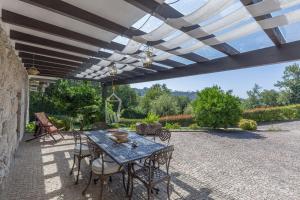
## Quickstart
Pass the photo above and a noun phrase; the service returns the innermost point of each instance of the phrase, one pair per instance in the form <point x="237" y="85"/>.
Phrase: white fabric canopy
<point x="209" y="9"/>
<point x="128" y="68"/>
<point x="96" y="67"/>
<point x="131" y="47"/>
<point x="162" y="56"/>
<point x="261" y="8"/>
<point x="192" y="48"/>
<point x="162" y="31"/>
<point x="115" y="57"/>
<point x="129" y="60"/>
<point x="250" y="28"/>
<point x="104" y="63"/>
<point x="174" y="42"/>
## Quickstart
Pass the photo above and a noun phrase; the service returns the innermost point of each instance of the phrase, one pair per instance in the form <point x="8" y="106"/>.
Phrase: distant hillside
<point x="190" y="95"/>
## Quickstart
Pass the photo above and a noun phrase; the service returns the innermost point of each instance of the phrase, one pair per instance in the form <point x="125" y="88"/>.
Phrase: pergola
<point x="78" y="39"/>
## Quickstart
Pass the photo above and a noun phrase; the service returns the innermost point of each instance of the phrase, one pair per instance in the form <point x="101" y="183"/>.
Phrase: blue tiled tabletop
<point x="124" y="153"/>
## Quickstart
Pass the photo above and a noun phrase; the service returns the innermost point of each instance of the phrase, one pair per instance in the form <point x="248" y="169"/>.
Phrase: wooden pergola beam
<point x="48" y="59"/>
<point x="38" y="62"/>
<point x="273" y="33"/>
<point x="38" y="50"/>
<point x="270" y="55"/>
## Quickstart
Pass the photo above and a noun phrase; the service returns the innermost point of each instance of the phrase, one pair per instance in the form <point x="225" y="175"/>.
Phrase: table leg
<point x="128" y="188"/>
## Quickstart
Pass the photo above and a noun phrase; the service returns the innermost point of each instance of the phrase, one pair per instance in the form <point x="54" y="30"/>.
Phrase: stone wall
<point x="13" y="103"/>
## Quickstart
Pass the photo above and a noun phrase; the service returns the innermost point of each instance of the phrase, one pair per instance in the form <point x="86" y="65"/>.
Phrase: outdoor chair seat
<point x="84" y="149"/>
<point x="102" y="166"/>
<point x="110" y="167"/>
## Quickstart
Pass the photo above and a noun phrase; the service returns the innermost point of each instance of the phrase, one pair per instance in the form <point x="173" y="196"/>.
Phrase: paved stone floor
<point x="206" y="165"/>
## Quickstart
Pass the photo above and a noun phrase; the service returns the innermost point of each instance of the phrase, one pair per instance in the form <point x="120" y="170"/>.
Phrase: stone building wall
<point x="13" y="103"/>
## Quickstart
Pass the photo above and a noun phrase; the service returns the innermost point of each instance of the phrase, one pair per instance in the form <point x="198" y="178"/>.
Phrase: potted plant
<point x="149" y="125"/>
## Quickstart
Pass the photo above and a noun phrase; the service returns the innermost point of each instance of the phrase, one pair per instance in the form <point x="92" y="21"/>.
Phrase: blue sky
<point x="237" y="80"/>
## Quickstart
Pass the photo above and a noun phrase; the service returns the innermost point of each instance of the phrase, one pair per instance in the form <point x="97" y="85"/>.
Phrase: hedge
<point x="129" y="122"/>
<point x="271" y="114"/>
<point x="184" y="119"/>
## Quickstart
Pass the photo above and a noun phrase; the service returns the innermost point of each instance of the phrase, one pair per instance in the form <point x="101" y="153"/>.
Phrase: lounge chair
<point x="45" y="127"/>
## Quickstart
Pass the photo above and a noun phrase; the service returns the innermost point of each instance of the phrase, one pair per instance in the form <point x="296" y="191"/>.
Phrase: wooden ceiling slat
<point x="21" y="20"/>
<point x="164" y="11"/>
<point x="74" y="12"/>
<point x="37" y="62"/>
<point x="14" y="18"/>
<point x="38" y="50"/>
<point x="64" y="8"/>
<point x="16" y="35"/>
<point x="48" y="59"/>
<point x="274" y="33"/>
<point x="48" y="67"/>
<point x="41" y="41"/>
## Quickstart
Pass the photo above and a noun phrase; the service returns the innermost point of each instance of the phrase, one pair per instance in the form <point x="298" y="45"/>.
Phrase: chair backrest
<point x="42" y="118"/>
<point x="77" y="138"/>
<point x="161" y="158"/>
<point x="95" y="151"/>
<point x="164" y="135"/>
<point x="44" y="122"/>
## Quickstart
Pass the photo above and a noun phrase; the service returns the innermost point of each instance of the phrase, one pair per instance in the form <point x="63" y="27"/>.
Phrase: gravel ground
<point x="206" y="165"/>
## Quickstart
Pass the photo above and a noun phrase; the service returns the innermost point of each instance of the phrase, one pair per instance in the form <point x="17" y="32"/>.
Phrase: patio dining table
<point x="125" y="154"/>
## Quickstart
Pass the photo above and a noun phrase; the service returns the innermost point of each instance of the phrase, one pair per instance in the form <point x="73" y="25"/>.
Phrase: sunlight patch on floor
<point x="52" y="184"/>
<point x="50" y="169"/>
<point x="48" y="158"/>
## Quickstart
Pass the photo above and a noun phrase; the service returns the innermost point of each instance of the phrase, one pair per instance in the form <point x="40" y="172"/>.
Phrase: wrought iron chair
<point x="154" y="171"/>
<point x="81" y="151"/>
<point x="102" y="166"/>
<point x="164" y="135"/>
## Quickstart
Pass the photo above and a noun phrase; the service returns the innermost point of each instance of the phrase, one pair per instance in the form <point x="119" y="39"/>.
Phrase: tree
<point x="253" y="99"/>
<point x="128" y="96"/>
<point x="269" y="97"/>
<point x="215" y="108"/>
<point x="153" y="93"/>
<point x="291" y="83"/>
<point x="182" y="102"/>
<point x="78" y="99"/>
<point x="165" y="104"/>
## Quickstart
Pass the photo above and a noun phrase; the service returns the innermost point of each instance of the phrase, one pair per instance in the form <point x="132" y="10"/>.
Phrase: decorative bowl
<point x="120" y="135"/>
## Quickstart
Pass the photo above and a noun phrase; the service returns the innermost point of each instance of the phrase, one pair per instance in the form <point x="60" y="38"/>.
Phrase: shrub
<point x="215" y="108"/>
<point x="57" y="122"/>
<point x="30" y="127"/>
<point x="151" y="118"/>
<point x="62" y="122"/>
<point x="132" y="127"/>
<point x="248" y="124"/>
<point x="128" y="122"/>
<point x="182" y="120"/>
<point x="271" y="114"/>
<point x="172" y="126"/>
<point x="194" y="126"/>
<point x="133" y="113"/>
